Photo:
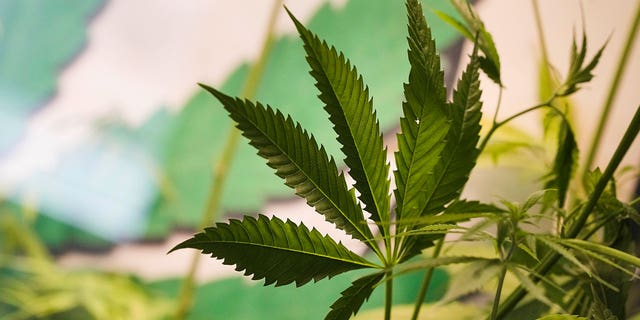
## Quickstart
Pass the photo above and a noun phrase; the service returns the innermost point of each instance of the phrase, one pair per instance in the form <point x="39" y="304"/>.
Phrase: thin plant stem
<point x="426" y="281"/>
<point x="497" y="125"/>
<point x="613" y="90"/>
<point x="496" y="299"/>
<point x="543" y="42"/>
<point x="221" y="170"/>
<point x="574" y="230"/>
<point x="388" y="297"/>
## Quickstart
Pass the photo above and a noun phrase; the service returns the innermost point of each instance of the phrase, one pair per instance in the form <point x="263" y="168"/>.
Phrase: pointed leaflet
<point x="297" y="159"/>
<point x="425" y="124"/>
<point x="564" y="163"/>
<point x="351" y="111"/>
<point x="280" y="252"/>
<point x="459" y="155"/>
<point x="578" y="73"/>
<point x="353" y="297"/>
<point x="474" y="27"/>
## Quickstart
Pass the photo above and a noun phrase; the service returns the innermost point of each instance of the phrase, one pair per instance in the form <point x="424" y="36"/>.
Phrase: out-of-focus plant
<point x="32" y="286"/>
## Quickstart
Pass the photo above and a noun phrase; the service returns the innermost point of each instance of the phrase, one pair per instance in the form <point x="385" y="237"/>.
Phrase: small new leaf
<point x="579" y="74"/>
<point x="299" y="160"/>
<point x="280" y="252"/>
<point x="490" y="62"/>
<point x="353" y="297"/>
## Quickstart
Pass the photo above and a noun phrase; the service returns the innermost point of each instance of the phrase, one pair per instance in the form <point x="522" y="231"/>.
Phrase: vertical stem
<point x="388" y="297"/>
<point x="613" y="90"/>
<point x="221" y="170"/>
<point x="543" y="42"/>
<point x="426" y="281"/>
<point x="496" y="299"/>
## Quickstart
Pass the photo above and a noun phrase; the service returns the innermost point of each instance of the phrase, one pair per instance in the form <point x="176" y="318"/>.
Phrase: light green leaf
<point x="490" y="63"/>
<point x="299" y="160"/>
<point x="459" y="26"/>
<point x="562" y="317"/>
<point x="280" y="252"/>
<point x="579" y="74"/>
<point x="472" y="278"/>
<point x="433" y="262"/>
<point x="599" y="257"/>
<point x="350" y="109"/>
<point x="602" y="249"/>
<point x="354" y="296"/>
<point x="526" y="282"/>
<point x="553" y="245"/>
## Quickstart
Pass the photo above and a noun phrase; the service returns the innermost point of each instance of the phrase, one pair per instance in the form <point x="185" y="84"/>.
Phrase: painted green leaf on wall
<point x="37" y="39"/>
<point x="201" y="128"/>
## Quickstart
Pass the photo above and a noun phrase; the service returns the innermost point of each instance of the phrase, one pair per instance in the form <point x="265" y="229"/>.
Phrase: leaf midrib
<point x="204" y="244"/>
<point x="351" y="132"/>
<point x="316" y="185"/>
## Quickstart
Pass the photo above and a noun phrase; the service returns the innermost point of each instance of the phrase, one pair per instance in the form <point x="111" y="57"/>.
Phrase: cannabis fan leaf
<point x="351" y="111"/>
<point x="299" y="160"/>
<point x="437" y="150"/>
<point x="280" y="252"/>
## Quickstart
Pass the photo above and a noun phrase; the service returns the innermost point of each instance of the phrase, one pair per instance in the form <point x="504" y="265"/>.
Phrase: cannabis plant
<point x="438" y="146"/>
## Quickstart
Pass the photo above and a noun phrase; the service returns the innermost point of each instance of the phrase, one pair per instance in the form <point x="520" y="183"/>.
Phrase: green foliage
<point x="473" y="29"/>
<point x="354" y="296"/>
<point x="280" y="252"/>
<point x="579" y="74"/>
<point x="186" y="152"/>
<point x="33" y="287"/>
<point x="351" y="111"/>
<point x="438" y="146"/>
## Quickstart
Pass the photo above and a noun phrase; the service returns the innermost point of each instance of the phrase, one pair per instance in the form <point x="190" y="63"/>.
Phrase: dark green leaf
<point x="460" y="153"/>
<point x="471" y="206"/>
<point x="350" y="109"/>
<point x="280" y="252"/>
<point x="299" y="160"/>
<point x="599" y="311"/>
<point x="564" y="163"/>
<point x="354" y="296"/>
<point x="425" y="123"/>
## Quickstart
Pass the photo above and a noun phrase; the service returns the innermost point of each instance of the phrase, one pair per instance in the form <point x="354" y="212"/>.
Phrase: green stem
<point x="185" y="298"/>
<point x="497" y="125"/>
<point x="613" y="90"/>
<point x="496" y="299"/>
<point x="549" y="261"/>
<point x="426" y="281"/>
<point x="388" y="298"/>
